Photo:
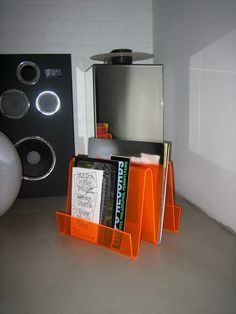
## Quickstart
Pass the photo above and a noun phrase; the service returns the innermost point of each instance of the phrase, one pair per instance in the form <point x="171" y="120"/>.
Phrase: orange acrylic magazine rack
<point x="142" y="215"/>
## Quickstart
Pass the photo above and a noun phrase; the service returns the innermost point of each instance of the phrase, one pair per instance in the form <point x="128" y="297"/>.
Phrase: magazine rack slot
<point x="172" y="211"/>
<point x="140" y="207"/>
<point x="151" y="209"/>
<point x="110" y="238"/>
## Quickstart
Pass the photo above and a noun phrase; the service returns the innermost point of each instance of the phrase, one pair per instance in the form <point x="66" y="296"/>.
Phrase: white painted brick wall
<point x="79" y="27"/>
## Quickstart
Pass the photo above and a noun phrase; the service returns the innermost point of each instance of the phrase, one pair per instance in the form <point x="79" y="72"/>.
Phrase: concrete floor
<point x="42" y="272"/>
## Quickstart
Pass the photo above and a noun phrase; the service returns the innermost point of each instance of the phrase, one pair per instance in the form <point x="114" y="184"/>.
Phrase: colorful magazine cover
<point x="122" y="191"/>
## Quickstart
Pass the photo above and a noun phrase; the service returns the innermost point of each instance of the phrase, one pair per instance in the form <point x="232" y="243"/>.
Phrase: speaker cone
<point x="14" y="104"/>
<point x="28" y="72"/>
<point x="37" y="156"/>
<point x="48" y="102"/>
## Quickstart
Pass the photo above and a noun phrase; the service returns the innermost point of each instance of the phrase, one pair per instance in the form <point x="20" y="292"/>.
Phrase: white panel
<point x="196" y="41"/>
<point x="220" y="55"/>
<point x="217" y="123"/>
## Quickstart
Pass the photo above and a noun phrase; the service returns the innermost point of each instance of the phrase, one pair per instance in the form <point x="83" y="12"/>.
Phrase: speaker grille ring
<point x="28" y="72"/>
<point x="14" y="104"/>
<point x="48" y="103"/>
<point x="38" y="157"/>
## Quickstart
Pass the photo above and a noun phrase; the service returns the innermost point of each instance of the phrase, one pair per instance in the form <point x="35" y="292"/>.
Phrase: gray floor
<point x="42" y="272"/>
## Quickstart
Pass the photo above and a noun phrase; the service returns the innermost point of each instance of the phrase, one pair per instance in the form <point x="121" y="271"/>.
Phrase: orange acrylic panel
<point x="172" y="211"/>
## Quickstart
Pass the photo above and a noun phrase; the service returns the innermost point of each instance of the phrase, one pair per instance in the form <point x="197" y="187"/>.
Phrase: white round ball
<point x="10" y="173"/>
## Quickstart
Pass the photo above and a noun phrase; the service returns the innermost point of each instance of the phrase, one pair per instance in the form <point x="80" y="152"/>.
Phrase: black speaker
<point x="36" y="113"/>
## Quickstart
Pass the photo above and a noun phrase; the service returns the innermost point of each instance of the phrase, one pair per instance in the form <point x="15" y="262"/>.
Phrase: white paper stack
<point x="86" y="193"/>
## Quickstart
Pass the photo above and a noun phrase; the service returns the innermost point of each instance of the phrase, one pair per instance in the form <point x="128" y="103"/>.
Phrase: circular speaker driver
<point x="14" y="104"/>
<point x="37" y="156"/>
<point x="28" y="72"/>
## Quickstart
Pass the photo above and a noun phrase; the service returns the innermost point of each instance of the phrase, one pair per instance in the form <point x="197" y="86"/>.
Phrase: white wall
<point x="196" y="42"/>
<point x="80" y="27"/>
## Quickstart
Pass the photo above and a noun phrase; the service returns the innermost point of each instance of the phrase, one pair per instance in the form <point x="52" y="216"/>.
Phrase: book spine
<point x="121" y="195"/>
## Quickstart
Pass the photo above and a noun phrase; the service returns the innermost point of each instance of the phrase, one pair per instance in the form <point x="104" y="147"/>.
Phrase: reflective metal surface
<point x="130" y="99"/>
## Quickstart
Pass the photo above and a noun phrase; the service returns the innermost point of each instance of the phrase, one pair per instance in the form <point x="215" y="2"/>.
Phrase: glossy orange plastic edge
<point x="172" y="211"/>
